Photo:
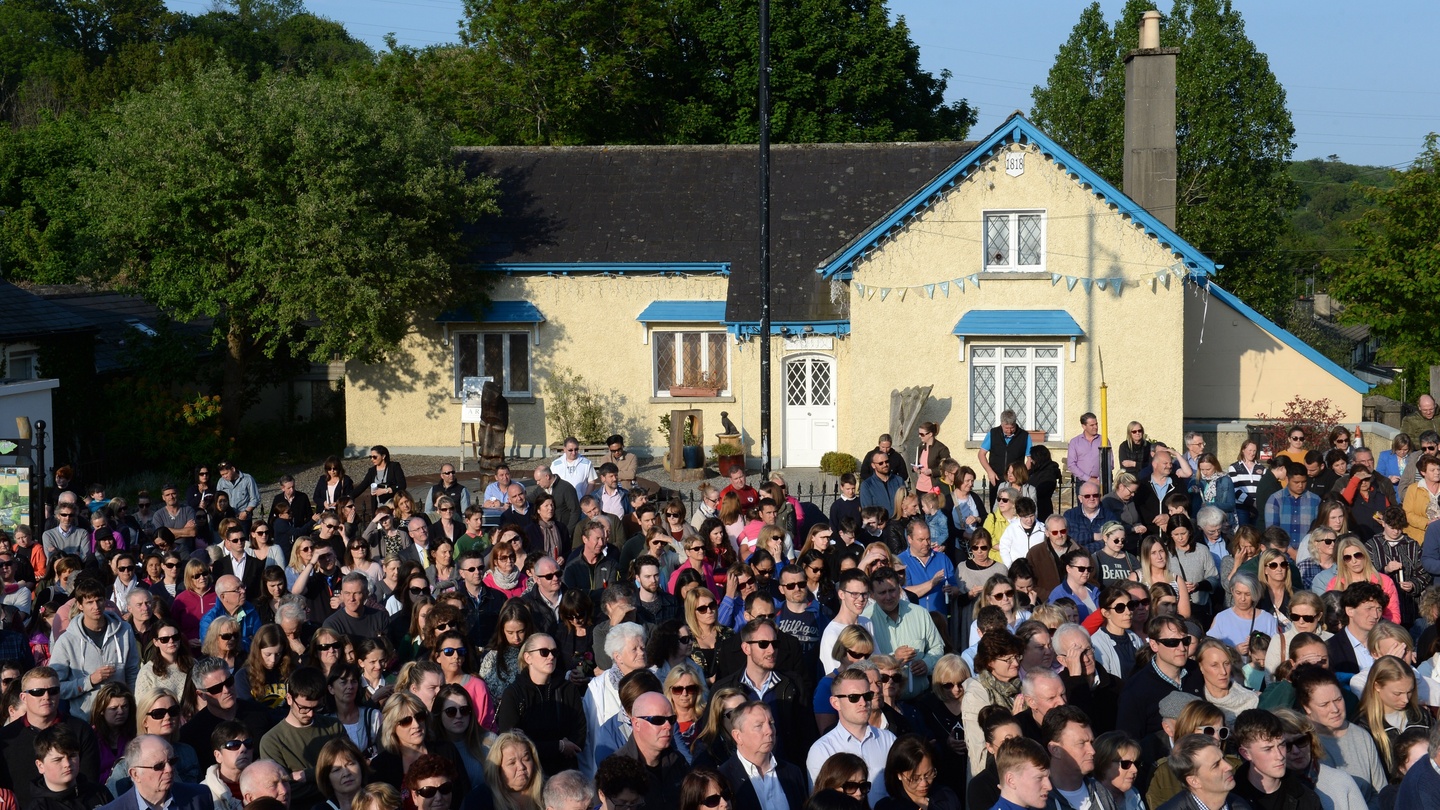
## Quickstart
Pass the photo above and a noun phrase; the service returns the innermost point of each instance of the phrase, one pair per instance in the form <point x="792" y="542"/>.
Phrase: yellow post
<point x="1104" y="429"/>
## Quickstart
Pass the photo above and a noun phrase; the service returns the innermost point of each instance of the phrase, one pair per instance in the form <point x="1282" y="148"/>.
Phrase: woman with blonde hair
<point x="405" y="738"/>
<point x="1276" y="584"/>
<point x="194" y="602"/>
<point x="543" y="703"/>
<point x="702" y="616"/>
<point x="878" y="553"/>
<point x="943" y="718"/>
<point x="1198" y="717"/>
<point x="1318" y="566"/>
<point x="999" y="590"/>
<point x="1305" y="615"/>
<point x="685" y="687"/>
<point x="512" y="773"/>
<point x="222" y="640"/>
<point x="1355" y="566"/>
<point x="1220" y="670"/>
<point x="376" y="796"/>
<point x="159" y="715"/>
<point x="714" y="745"/>
<point x="1388" y="706"/>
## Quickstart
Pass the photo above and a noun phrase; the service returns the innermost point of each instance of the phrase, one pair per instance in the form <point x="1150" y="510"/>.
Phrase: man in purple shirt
<point x="1082" y="458"/>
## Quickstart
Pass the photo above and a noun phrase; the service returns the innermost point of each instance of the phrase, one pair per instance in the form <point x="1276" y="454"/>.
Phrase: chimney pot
<point x="1150" y="30"/>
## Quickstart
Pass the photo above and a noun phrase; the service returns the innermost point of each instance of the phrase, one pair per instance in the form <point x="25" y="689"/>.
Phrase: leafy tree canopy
<point x="304" y="214"/>
<point x="1393" y="281"/>
<point x="1233" y="134"/>
<point x="676" y="71"/>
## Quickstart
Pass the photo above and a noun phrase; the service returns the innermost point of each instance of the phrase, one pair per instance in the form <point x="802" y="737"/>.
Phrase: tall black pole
<point x="765" y="238"/>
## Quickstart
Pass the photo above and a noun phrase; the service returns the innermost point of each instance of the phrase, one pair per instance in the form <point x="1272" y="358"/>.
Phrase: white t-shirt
<point x="828" y="638"/>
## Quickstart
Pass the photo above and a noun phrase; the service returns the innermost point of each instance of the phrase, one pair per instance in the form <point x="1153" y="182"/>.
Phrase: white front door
<point x="810" y="427"/>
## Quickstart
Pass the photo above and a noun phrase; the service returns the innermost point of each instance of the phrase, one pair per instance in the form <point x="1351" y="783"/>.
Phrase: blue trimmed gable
<point x="1017" y="129"/>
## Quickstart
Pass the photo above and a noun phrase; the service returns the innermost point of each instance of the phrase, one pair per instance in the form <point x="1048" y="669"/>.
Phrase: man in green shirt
<point x="903" y="630"/>
<point x="295" y="742"/>
<point x="474" y="536"/>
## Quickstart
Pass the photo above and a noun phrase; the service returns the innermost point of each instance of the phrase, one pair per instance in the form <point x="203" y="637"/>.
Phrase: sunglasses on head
<point x="429" y="791"/>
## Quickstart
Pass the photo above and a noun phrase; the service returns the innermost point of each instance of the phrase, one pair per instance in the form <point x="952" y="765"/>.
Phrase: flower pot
<point x="694" y="457"/>
<point x="1037" y="436"/>
<point x="728" y="463"/>
<point x="693" y="391"/>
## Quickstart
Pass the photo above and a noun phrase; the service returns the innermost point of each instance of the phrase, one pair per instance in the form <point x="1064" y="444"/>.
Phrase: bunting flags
<point x="1115" y="284"/>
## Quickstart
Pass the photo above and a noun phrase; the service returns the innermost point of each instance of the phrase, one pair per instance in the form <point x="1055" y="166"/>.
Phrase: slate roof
<point x="27" y="315"/>
<point x="118" y="318"/>
<point x="700" y="204"/>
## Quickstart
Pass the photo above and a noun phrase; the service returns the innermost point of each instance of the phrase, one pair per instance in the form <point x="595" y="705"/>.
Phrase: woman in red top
<point x="194" y="602"/>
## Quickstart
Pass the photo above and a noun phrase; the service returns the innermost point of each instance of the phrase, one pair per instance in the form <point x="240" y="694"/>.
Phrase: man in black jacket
<point x="780" y="691"/>
<point x="758" y="779"/>
<point x="40" y="697"/>
<point x="1139" y="711"/>
<point x="886" y="447"/>
<point x="652" y="744"/>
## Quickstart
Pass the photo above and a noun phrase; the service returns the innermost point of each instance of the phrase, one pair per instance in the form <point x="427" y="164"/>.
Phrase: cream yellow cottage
<point x="1002" y="273"/>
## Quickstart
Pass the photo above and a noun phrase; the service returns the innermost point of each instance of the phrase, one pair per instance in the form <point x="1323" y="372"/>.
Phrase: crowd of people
<point x="1189" y="634"/>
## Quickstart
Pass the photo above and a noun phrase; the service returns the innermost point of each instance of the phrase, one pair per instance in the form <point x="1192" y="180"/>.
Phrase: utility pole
<point x="765" y="239"/>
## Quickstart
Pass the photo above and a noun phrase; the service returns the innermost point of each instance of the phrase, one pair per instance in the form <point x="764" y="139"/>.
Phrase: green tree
<point x="304" y="214"/>
<point x="1393" y="281"/>
<point x="1234" y="136"/>
<point x="676" y="71"/>
<point x="42" y="235"/>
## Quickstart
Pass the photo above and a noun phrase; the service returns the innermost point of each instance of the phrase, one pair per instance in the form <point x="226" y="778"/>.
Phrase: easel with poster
<point x="484" y="419"/>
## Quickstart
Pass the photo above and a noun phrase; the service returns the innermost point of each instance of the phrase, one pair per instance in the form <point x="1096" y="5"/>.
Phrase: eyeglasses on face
<point x="1218" y="732"/>
<point x="1002" y="499"/>
<point x="1172" y="643"/>
<point x="219" y="687"/>
<point x="1122" y="607"/>
<point x="692" y="689"/>
<point x="447" y="652"/>
<point x="857" y="656"/>
<point x="657" y="719"/>
<point x="161" y="714"/>
<point x="456" y="712"/>
<point x="1058" y="532"/>
<point x="856" y="697"/>
<point x="236" y="745"/>
<point x="1084" y="569"/>
<point x="160" y="766"/>
<point x="408" y="720"/>
<point x="544" y="652"/>
<point x="980" y="548"/>
<point x="862" y="788"/>
<point x="1355" y="556"/>
<point x="43" y="691"/>
<point x="1303" y="617"/>
<point x="1003" y="595"/>
<point x="920" y="778"/>
<point x="714" y="799"/>
<point x="708" y="607"/>
<point x="170" y="639"/>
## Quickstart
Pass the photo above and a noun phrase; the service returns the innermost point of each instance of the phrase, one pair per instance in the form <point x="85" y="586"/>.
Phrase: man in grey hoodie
<point x="97" y="647"/>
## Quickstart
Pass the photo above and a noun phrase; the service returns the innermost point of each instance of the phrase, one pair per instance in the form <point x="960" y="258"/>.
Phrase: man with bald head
<point x="230" y="601"/>
<point x="152" y="767"/>
<point x="1427" y="417"/>
<point x="544" y="599"/>
<point x="1043" y="690"/>
<point x="652" y="744"/>
<point x="265" y="779"/>
<point x="567" y="502"/>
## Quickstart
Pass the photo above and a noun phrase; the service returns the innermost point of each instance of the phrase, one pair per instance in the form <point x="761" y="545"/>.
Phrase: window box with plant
<point x="700" y="384"/>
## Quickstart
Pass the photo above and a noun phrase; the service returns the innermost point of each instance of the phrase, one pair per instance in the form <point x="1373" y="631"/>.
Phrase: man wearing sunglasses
<point x="230" y="601"/>
<point x="1168" y="671"/>
<point x="652" y="744"/>
<point x="295" y="742"/>
<point x="759" y="779"/>
<point x="40" y="699"/>
<point x="760" y="680"/>
<point x="215" y="692"/>
<point x="99" y="648"/>
<point x="543" y="600"/>
<point x="152" y="768"/>
<point x="448" y="486"/>
<point x="234" y="749"/>
<point x="234" y="560"/>
<point x="851" y="697"/>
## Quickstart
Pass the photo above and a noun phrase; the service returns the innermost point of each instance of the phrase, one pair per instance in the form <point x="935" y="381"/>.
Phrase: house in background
<point x="1004" y="273"/>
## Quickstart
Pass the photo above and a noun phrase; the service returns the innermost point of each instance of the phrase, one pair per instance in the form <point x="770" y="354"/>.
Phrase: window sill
<point x="663" y="400"/>
<point x="517" y="399"/>
<point x="1014" y="275"/>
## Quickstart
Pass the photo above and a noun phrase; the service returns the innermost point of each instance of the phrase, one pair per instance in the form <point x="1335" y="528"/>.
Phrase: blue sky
<point x="1359" y="82"/>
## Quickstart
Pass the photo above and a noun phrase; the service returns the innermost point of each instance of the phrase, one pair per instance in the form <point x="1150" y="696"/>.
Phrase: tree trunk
<point x="232" y="386"/>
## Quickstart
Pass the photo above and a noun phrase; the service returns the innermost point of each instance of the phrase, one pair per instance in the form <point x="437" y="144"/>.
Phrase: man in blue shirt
<point x="1293" y="508"/>
<point x="880" y="488"/>
<point x="928" y="576"/>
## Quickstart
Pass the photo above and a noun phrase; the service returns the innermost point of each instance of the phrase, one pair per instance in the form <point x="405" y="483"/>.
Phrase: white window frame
<point x="511" y="334"/>
<point x="1030" y="362"/>
<point x="1014" y="252"/>
<point x="24" y="352"/>
<point x="679" y="355"/>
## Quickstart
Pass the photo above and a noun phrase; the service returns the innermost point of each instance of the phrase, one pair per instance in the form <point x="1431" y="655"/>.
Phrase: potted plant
<point x="728" y="456"/>
<point x="698" y="384"/>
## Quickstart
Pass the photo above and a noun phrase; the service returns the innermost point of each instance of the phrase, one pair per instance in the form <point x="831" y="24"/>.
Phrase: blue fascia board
<point x="683" y="312"/>
<point x="611" y="268"/>
<point x="1017" y="128"/>
<point x="1285" y="337"/>
<point x="1017" y="323"/>
<point x="752" y="328"/>
<point x="494" y="312"/>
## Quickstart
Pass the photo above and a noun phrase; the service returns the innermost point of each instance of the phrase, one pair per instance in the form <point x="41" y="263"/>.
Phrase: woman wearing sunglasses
<point x="705" y="789"/>
<point x="195" y="601"/>
<point x="1304" y="757"/>
<point x="431" y="785"/>
<point x="160" y="715"/>
<point x="545" y="705"/>
<point x="512" y="773"/>
<point x="1004" y="513"/>
<point x="327" y="648"/>
<point x="1198" y="717"/>
<point x="454" y="720"/>
<point x="1117" y="763"/>
<point x="405" y="739"/>
<point x="685" y="686"/>
<point x="1355" y="566"/>
<point x="847" y="774"/>
<point x="1306" y="614"/>
<point x="457" y="663"/>
<point x="703" y="618"/>
<point x="167" y="664"/>
<point x="222" y="640"/>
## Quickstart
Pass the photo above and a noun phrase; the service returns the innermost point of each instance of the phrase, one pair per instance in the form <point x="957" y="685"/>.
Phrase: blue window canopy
<point x="749" y="329"/>
<point x="1018" y="323"/>
<point x="494" y="312"/>
<point x="683" y="312"/>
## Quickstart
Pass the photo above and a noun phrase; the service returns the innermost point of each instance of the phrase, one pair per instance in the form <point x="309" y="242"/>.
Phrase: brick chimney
<point x="1150" y="156"/>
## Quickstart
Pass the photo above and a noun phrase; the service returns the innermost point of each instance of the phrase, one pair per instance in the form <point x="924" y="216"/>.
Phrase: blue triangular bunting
<point x="1070" y="283"/>
<point x="945" y="288"/>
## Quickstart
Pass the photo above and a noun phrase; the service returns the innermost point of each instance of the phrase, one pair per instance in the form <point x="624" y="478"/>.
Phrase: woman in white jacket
<point x="1022" y="533"/>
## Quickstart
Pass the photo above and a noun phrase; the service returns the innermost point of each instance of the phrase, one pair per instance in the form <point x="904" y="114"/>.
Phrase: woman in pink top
<point x="1352" y="564"/>
<point x="193" y="602"/>
<point x="503" y="575"/>
<point x="713" y="531"/>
